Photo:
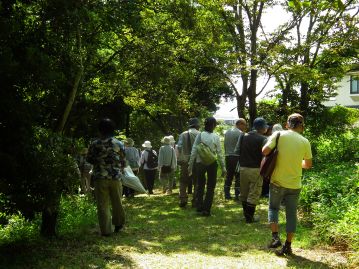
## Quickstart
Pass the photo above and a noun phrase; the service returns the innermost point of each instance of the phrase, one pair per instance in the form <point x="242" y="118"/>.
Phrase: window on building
<point x="354" y="84"/>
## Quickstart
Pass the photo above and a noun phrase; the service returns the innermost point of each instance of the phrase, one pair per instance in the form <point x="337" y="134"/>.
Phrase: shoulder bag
<point x="268" y="162"/>
<point x="165" y="169"/>
<point x="205" y="153"/>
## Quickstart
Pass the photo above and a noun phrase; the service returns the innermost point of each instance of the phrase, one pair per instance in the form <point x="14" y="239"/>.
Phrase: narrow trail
<point x="159" y="234"/>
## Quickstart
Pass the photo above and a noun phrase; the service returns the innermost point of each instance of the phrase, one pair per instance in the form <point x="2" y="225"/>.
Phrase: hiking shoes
<point x="284" y="251"/>
<point x="274" y="243"/>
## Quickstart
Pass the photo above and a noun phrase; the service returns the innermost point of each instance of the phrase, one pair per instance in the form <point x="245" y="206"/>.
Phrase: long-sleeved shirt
<point x="185" y="143"/>
<point x="230" y="141"/>
<point x="213" y="142"/>
<point x="132" y="157"/>
<point x="167" y="156"/>
<point x="144" y="157"/>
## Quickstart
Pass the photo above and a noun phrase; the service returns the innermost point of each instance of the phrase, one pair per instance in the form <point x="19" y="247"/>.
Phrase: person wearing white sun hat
<point x="149" y="161"/>
<point x="167" y="163"/>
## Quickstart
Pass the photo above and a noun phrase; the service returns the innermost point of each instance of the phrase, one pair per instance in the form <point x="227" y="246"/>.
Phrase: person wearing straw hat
<point x="133" y="160"/>
<point x="167" y="164"/>
<point x="149" y="161"/>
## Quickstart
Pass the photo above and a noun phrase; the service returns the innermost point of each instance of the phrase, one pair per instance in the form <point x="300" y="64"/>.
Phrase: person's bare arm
<point x="307" y="164"/>
<point x="266" y="150"/>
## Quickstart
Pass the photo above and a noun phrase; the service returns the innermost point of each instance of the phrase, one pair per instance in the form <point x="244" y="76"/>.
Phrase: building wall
<point x="344" y="97"/>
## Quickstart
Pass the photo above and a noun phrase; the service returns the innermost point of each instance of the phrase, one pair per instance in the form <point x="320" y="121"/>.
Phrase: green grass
<point x="159" y="234"/>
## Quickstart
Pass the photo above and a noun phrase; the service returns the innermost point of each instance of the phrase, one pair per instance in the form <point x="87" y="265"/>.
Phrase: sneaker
<point x="284" y="251"/>
<point x="274" y="243"/>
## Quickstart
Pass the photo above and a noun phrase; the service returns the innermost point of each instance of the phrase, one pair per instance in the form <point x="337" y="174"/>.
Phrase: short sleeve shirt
<point x="108" y="158"/>
<point x="292" y="149"/>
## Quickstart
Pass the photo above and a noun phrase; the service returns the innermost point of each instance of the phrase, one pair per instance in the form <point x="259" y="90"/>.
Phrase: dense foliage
<point x="330" y="201"/>
<point x="151" y="65"/>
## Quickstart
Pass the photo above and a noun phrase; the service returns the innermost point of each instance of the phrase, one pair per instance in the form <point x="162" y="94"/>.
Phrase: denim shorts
<point x="290" y="198"/>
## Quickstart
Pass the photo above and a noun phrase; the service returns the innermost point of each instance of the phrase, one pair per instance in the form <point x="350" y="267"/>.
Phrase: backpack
<point x="205" y="153"/>
<point x="152" y="159"/>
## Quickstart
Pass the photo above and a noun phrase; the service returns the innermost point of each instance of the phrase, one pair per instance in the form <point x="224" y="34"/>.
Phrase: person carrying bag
<point x="206" y="165"/>
<point x="167" y="164"/>
<point x="269" y="161"/>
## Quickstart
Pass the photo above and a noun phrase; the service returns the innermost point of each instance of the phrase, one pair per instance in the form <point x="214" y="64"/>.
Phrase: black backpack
<point x="152" y="159"/>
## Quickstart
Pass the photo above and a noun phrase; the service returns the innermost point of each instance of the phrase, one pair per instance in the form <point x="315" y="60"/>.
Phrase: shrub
<point x="37" y="181"/>
<point x="18" y="229"/>
<point x="330" y="197"/>
<point x="77" y="212"/>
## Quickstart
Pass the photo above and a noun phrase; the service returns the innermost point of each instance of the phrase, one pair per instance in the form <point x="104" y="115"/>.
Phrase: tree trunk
<point x="70" y="101"/>
<point x="241" y="102"/>
<point x="49" y="217"/>
<point x="52" y="205"/>
<point x="304" y="98"/>
<point x="73" y="92"/>
<point x="242" y="98"/>
<point x="252" y="96"/>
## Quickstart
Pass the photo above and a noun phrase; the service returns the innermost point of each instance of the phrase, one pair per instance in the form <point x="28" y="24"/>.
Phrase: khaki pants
<point x="109" y="191"/>
<point x="185" y="181"/>
<point x="250" y="185"/>
<point x="167" y="180"/>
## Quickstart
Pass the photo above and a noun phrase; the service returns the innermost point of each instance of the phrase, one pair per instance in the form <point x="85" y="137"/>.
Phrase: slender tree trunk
<point x="241" y="102"/>
<point x="73" y="92"/>
<point x="242" y="98"/>
<point x="304" y="98"/>
<point x="49" y="216"/>
<point x="51" y="206"/>
<point x="252" y="96"/>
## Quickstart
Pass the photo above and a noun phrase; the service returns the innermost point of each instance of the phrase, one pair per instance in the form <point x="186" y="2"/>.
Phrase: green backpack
<point x="205" y="153"/>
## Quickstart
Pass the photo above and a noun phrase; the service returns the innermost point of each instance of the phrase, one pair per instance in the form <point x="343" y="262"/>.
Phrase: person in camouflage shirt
<point x="107" y="156"/>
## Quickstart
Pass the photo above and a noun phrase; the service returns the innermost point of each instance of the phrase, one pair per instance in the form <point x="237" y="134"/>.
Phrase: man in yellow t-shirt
<point x="294" y="153"/>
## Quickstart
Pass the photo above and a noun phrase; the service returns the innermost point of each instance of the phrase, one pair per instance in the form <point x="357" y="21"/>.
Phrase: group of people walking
<point x="198" y="155"/>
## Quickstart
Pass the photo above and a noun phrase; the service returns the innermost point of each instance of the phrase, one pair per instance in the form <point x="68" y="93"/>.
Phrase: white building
<point x="348" y="91"/>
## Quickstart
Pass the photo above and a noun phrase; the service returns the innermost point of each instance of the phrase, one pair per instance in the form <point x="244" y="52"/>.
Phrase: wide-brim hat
<point x="147" y="144"/>
<point x="166" y="140"/>
<point x="172" y="139"/>
<point x="129" y="142"/>
<point x="277" y="127"/>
